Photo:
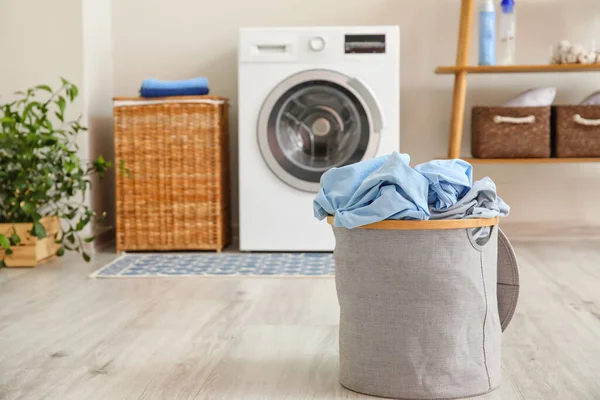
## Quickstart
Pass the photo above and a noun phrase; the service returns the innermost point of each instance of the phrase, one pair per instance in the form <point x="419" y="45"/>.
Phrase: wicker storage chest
<point x="577" y="131"/>
<point x="511" y="132"/>
<point x="172" y="177"/>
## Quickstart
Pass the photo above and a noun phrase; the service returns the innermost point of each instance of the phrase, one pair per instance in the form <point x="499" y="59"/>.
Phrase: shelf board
<point x="507" y="69"/>
<point x="531" y="160"/>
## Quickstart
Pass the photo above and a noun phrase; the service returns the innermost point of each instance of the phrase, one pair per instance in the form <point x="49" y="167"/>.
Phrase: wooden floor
<point x="64" y="336"/>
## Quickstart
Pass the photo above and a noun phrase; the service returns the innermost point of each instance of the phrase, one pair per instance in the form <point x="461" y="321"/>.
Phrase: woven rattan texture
<point x="508" y="140"/>
<point x="172" y="175"/>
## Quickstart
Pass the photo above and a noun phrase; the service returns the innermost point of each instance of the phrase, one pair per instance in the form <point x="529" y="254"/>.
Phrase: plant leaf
<point x="64" y="81"/>
<point x="15" y="239"/>
<point x="60" y="117"/>
<point x="74" y="92"/>
<point x="29" y="108"/>
<point x="2" y="264"/>
<point x="28" y="208"/>
<point x="81" y="224"/>
<point x="86" y="256"/>
<point x="4" y="242"/>
<point x="38" y="230"/>
<point x="61" y="103"/>
<point x="44" y="87"/>
<point x="9" y="252"/>
<point x="60" y="252"/>
<point x="49" y="141"/>
<point x="90" y="239"/>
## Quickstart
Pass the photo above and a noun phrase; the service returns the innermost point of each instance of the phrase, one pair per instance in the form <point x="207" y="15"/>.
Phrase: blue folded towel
<point x="388" y="188"/>
<point x="186" y="87"/>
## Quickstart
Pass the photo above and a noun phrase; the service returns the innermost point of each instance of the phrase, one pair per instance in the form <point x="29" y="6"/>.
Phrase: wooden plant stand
<point x="32" y="251"/>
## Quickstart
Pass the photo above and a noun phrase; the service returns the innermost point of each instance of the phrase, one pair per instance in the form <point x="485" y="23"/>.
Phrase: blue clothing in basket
<point x="382" y="188"/>
<point x="388" y="188"/>
<point x="187" y="87"/>
<point x="449" y="180"/>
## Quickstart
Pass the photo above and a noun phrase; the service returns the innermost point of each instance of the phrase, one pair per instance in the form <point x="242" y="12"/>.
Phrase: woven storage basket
<point x="577" y="131"/>
<point x="511" y="132"/>
<point x="173" y="185"/>
<point x="422" y="305"/>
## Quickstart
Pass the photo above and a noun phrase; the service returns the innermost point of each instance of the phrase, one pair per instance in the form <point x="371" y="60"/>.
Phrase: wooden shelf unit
<point x="513" y="69"/>
<point x="462" y="69"/>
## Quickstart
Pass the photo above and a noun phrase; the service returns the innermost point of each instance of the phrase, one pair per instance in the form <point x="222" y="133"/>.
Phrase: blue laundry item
<point x="363" y="193"/>
<point x="187" y="87"/>
<point x="449" y="180"/>
<point x="388" y="188"/>
<point x="479" y="202"/>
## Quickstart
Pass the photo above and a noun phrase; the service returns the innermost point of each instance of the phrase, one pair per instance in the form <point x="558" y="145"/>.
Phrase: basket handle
<point x="584" y="121"/>
<point x="512" y="120"/>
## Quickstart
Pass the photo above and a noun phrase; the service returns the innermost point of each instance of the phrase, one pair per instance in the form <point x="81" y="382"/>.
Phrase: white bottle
<point x="507" y="34"/>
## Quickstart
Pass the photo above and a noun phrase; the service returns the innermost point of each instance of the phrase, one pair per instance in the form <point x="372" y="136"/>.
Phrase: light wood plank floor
<point x="64" y="336"/>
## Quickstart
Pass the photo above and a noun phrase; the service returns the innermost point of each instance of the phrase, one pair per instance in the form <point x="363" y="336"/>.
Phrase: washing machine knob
<point x="317" y="43"/>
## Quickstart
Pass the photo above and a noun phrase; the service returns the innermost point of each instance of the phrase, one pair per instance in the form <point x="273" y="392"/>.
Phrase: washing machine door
<point x="316" y="120"/>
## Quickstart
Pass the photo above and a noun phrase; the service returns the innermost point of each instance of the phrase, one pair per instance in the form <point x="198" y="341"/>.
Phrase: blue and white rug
<point x="223" y="264"/>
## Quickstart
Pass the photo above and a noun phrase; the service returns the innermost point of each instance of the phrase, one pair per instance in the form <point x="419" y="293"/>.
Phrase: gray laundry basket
<point x="420" y="316"/>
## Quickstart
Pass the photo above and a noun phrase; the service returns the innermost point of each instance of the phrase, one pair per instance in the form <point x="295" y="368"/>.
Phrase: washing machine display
<point x="314" y="121"/>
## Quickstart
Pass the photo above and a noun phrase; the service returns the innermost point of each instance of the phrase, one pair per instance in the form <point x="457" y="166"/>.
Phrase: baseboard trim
<point x="540" y="231"/>
<point x="104" y="240"/>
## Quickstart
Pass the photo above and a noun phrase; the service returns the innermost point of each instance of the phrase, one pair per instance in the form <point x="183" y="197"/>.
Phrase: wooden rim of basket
<point x="410" y="225"/>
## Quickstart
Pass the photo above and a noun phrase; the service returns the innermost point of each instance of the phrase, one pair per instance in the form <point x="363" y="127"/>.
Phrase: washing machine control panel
<point x="364" y="44"/>
<point x="317" y="43"/>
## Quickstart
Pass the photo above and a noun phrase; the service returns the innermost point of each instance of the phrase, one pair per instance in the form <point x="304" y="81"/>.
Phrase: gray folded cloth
<point x="479" y="202"/>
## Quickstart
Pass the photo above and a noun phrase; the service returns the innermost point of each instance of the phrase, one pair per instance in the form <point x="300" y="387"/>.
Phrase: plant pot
<point x="32" y="251"/>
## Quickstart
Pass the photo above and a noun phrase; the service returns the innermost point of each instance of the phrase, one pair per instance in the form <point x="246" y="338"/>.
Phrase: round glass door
<point x="312" y="122"/>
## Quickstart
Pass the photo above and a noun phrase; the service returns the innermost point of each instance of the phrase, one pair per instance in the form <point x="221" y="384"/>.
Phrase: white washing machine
<point x="310" y="99"/>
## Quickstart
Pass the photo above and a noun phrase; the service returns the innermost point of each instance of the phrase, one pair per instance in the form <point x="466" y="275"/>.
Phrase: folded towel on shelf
<point x="186" y="87"/>
<point x="388" y="188"/>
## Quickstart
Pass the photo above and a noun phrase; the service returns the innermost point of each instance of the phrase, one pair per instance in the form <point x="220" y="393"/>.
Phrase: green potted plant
<point x="43" y="180"/>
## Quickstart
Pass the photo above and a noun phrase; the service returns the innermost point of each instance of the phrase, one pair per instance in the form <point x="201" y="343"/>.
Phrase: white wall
<point x="186" y="38"/>
<point x="39" y="42"/>
<point x="97" y="97"/>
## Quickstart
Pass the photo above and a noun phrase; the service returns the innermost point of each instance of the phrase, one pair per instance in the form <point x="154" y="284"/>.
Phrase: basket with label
<point x="577" y="131"/>
<point x="511" y="132"/>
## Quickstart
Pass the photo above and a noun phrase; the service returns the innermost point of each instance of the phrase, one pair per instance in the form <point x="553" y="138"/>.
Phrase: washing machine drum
<point x="314" y="121"/>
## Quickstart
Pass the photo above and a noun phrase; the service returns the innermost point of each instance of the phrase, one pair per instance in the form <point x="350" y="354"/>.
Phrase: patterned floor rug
<point x="223" y="264"/>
